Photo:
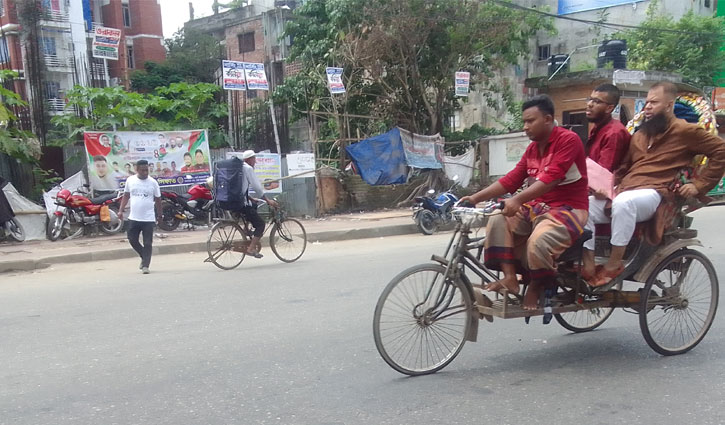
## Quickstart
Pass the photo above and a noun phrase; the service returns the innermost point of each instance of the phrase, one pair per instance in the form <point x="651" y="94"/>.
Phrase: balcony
<point x="54" y="61"/>
<point x="56" y="106"/>
<point x="53" y="18"/>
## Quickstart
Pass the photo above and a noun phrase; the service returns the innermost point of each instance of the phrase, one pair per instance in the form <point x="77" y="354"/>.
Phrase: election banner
<point x="573" y="6"/>
<point x="422" y="151"/>
<point x="463" y="80"/>
<point x="233" y="76"/>
<point x="299" y="163"/>
<point x="105" y="43"/>
<point x="256" y="77"/>
<point x="175" y="157"/>
<point x="334" y="80"/>
<point x="268" y="169"/>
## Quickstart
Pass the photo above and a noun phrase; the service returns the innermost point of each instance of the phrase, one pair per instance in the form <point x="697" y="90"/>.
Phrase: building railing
<point x="54" y="61"/>
<point x="56" y="16"/>
<point x="56" y="105"/>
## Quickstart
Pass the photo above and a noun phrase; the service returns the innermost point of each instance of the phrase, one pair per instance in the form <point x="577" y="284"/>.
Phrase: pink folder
<point x="600" y="179"/>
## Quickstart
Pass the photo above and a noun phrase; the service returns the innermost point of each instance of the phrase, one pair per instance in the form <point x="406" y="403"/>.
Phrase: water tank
<point x="555" y="61"/>
<point x="614" y="52"/>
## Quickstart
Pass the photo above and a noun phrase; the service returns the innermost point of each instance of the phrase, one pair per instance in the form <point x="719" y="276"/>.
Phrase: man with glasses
<point x="609" y="139"/>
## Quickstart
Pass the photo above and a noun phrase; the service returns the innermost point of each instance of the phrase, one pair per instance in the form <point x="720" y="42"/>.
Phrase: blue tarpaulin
<point x="380" y="160"/>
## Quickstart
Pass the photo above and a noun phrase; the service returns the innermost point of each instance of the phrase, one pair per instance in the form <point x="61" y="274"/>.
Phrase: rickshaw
<point x="426" y="313"/>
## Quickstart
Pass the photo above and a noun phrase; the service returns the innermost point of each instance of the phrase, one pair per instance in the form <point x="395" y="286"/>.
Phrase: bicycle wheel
<point x="227" y="245"/>
<point x="421" y="321"/>
<point x="288" y="240"/>
<point x="679" y="302"/>
<point x="586" y="320"/>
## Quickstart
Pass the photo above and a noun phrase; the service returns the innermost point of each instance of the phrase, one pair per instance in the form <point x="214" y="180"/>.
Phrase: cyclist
<point x="249" y="210"/>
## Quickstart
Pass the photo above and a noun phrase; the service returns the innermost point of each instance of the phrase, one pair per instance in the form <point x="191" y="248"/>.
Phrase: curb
<point x="127" y="252"/>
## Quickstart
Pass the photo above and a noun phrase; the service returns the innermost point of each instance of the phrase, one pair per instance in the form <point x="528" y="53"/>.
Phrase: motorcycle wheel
<point x="115" y="225"/>
<point x="55" y="227"/>
<point x="15" y="229"/>
<point x="169" y="222"/>
<point x="426" y="222"/>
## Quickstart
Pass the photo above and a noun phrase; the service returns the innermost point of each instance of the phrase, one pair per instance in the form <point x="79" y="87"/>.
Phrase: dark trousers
<point x="252" y="216"/>
<point x="147" y="229"/>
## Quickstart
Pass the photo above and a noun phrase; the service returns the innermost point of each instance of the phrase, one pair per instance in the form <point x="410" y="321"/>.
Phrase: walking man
<point x="145" y="197"/>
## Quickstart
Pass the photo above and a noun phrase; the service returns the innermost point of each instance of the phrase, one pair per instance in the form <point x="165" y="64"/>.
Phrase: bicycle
<point x="230" y="236"/>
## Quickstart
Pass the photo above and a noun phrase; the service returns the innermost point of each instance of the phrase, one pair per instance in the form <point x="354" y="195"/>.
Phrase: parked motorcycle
<point x="195" y="206"/>
<point x="77" y="212"/>
<point x="432" y="211"/>
<point x="9" y="225"/>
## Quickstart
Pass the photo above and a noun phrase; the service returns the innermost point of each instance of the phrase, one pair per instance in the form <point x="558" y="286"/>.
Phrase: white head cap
<point x="248" y="154"/>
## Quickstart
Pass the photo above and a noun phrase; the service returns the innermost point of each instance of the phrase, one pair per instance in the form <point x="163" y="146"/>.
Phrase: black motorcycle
<point x="9" y="225"/>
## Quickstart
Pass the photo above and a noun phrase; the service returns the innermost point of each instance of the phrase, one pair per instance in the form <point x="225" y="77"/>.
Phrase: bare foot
<point x="531" y="298"/>
<point x="509" y="283"/>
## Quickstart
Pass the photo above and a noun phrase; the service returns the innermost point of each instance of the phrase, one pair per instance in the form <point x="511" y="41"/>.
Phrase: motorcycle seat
<point x="98" y="200"/>
<point x="185" y="196"/>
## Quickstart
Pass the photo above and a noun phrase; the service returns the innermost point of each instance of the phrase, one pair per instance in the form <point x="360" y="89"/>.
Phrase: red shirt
<point x="564" y="160"/>
<point x="608" y="144"/>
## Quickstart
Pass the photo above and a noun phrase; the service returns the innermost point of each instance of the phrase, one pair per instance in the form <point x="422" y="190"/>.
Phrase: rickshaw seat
<point x="574" y="252"/>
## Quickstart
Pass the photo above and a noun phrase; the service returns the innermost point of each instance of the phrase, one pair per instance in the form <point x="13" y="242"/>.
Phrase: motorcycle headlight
<point x="60" y="201"/>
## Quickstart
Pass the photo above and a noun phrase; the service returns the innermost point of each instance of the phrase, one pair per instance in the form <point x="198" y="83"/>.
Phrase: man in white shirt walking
<point x="251" y="182"/>
<point x="145" y="196"/>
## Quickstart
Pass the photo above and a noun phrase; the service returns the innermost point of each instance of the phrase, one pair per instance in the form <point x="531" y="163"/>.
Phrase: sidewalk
<point x="40" y="254"/>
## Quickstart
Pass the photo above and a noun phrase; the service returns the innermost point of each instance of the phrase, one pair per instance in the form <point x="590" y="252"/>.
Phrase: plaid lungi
<point x="532" y="240"/>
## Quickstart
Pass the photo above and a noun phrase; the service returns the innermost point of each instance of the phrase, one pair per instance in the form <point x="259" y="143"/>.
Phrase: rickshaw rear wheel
<point x="679" y="302"/>
<point x="415" y="334"/>
<point x="586" y="320"/>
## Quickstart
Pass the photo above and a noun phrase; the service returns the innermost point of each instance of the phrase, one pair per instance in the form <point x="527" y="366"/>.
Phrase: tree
<point x="192" y="57"/>
<point x="14" y="142"/>
<point x="694" y="51"/>
<point x="402" y="55"/>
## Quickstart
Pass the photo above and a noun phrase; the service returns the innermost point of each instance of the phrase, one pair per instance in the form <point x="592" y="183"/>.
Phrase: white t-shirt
<point x="141" y="195"/>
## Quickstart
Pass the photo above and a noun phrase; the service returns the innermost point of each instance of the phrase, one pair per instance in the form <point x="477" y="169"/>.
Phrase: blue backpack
<point x="228" y="184"/>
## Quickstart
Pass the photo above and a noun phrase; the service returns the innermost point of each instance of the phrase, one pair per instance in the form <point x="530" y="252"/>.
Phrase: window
<point x="4" y="53"/>
<point x="707" y="3"/>
<point x="246" y="42"/>
<point x="544" y="52"/>
<point x="47" y="45"/>
<point x="126" y="11"/>
<point x="2" y="7"/>
<point x="130" y="63"/>
<point x="51" y="89"/>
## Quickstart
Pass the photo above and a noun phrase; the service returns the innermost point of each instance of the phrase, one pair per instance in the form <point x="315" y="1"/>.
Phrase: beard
<point x="655" y="125"/>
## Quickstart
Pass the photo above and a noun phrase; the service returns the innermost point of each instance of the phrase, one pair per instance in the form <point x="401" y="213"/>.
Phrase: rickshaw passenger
<point x="609" y="139"/>
<point x="542" y="221"/>
<point x="663" y="146"/>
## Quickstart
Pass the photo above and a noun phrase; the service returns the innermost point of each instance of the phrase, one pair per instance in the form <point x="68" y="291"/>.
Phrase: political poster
<point x="299" y="163"/>
<point x="422" y="151"/>
<point x="334" y="80"/>
<point x="463" y="81"/>
<point x="256" y="77"/>
<point x="233" y="76"/>
<point x="105" y="43"/>
<point x="175" y="157"/>
<point x="268" y="168"/>
<point x="573" y="6"/>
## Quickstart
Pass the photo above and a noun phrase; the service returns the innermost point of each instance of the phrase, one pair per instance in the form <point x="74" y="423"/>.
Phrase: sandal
<point x="604" y="276"/>
<point x="255" y="254"/>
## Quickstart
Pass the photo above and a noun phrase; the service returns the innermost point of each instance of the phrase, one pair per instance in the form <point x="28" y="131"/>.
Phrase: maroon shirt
<point x="608" y="144"/>
<point x="563" y="159"/>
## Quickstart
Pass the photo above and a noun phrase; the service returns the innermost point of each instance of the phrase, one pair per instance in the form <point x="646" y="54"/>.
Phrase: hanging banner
<point x="175" y="157"/>
<point x="572" y="6"/>
<point x="256" y="77"/>
<point x="422" y="151"/>
<point x="268" y="168"/>
<point x="299" y="163"/>
<point x="463" y="80"/>
<point x="334" y="80"/>
<point x="105" y="43"/>
<point x="233" y="76"/>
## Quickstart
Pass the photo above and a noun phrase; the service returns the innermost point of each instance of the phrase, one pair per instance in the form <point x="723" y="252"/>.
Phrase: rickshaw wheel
<point x="679" y="302"/>
<point x="415" y="334"/>
<point x="586" y="320"/>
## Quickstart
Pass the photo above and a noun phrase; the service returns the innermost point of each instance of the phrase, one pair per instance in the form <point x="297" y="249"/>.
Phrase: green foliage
<point x="181" y="106"/>
<point x="192" y="57"/>
<point x="14" y="142"/>
<point x="696" y="55"/>
<point x="400" y="56"/>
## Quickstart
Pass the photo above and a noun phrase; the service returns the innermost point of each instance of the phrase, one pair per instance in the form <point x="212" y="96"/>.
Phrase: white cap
<point x="248" y="154"/>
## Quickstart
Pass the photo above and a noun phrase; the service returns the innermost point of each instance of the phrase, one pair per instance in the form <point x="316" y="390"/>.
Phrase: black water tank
<point x="614" y="51"/>
<point x="555" y="61"/>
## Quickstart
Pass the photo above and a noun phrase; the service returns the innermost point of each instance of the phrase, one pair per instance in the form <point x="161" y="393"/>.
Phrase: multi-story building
<point x="52" y="52"/>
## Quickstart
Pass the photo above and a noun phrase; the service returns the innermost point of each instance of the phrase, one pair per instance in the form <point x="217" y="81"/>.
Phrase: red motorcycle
<point x="76" y="212"/>
<point x="195" y="206"/>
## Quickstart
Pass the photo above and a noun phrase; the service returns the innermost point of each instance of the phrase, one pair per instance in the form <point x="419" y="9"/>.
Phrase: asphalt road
<point x="274" y="343"/>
